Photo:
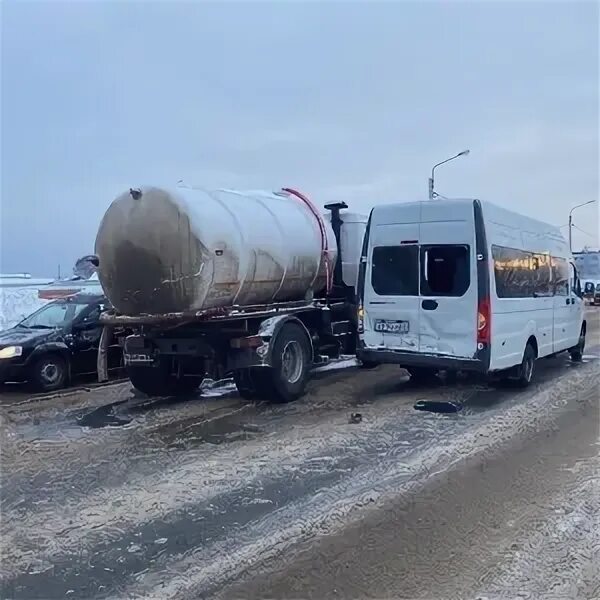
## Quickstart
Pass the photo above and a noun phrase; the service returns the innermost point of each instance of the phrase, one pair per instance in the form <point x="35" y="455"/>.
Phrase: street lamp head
<point x="463" y="153"/>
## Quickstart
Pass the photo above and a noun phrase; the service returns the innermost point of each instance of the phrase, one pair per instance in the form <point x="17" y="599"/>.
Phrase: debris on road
<point x="440" y="406"/>
<point x="355" y="418"/>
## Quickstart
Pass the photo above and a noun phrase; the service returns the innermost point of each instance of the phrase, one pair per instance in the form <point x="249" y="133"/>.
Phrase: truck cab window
<point x="445" y="270"/>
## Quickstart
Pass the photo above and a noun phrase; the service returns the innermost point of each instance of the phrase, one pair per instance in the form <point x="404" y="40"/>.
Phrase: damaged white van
<point x="464" y="285"/>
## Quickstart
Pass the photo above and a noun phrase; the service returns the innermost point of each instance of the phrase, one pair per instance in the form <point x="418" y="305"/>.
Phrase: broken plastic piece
<point x="440" y="406"/>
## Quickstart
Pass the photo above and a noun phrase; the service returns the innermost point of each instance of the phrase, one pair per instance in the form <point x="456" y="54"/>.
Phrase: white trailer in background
<point x="466" y="285"/>
<point x="259" y="285"/>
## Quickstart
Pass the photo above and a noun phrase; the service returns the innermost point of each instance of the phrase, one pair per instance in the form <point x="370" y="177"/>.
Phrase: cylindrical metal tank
<point x="185" y="249"/>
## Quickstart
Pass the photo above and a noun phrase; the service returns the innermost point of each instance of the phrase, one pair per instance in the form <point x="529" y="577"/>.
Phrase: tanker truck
<point x="259" y="286"/>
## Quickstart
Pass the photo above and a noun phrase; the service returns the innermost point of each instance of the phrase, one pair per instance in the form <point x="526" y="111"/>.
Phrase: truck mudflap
<point x="102" y="357"/>
<point x="268" y="332"/>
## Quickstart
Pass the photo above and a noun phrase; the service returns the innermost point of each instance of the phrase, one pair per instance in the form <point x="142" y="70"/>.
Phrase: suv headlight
<point x="11" y="351"/>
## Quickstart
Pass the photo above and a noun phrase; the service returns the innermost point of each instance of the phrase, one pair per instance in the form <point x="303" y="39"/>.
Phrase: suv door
<point x="86" y="333"/>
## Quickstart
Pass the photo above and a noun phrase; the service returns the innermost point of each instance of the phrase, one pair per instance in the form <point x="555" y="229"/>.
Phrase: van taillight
<point x="361" y="319"/>
<point x="483" y="322"/>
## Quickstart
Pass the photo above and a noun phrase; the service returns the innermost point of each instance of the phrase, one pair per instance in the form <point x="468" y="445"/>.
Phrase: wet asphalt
<point x="349" y="492"/>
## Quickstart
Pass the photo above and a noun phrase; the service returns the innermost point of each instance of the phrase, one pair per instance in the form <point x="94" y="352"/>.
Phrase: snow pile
<point x="16" y="303"/>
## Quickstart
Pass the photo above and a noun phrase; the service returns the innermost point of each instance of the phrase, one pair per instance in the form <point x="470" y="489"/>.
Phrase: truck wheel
<point x="157" y="381"/>
<point x="290" y="363"/>
<point x="421" y="374"/>
<point x="577" y="352"/>
<point x="49" y="373"/>
<point x="527" y="367"/>
<point x="248" y="383"/>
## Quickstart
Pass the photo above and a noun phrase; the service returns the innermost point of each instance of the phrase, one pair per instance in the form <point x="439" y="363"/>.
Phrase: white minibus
<point x="464" y="285"/>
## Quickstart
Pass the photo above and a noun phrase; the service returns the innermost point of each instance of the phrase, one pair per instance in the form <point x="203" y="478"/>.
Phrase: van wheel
<point x="368" y="364"/>
<point x="527" y="367"/>
<point x="421" y="374"/>
<point x="49" y="373"/>
<point x="577" y="352"/>
<point x="291" y="359"/>
<point x="157" y="381"/>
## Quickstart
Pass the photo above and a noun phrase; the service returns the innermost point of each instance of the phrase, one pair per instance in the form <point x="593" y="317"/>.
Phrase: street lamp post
<point x="432" y="193"/>
<point x="571" y="221"/>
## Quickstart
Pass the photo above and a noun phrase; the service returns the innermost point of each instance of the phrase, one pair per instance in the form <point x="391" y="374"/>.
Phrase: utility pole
<point x="571" y="221"/>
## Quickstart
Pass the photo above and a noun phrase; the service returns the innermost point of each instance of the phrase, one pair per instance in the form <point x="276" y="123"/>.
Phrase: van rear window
<point x="395" y="270"/>
<point x="445" y="270"/>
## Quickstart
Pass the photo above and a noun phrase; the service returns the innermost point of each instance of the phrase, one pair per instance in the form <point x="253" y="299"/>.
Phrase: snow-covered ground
<point x="16" y="303"/>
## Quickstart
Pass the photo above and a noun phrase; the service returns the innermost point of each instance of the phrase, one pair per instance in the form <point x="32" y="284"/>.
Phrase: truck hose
<point x="324" y="242"/>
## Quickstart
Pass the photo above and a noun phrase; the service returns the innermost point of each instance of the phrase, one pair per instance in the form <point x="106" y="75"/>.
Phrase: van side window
<point x="560" y="274"/>
<point x="395" y="270"/>
<point x="521" y="274"/>
<point x="513" y="272"/>
<point x="445" y="270"/>
<point x="542" y="275"/>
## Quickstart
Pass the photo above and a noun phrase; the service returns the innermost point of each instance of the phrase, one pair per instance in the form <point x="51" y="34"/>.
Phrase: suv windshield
<point x="55" y="314"/>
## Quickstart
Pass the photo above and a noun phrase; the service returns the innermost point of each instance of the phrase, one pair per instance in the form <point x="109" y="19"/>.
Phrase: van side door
<point x="562" y="305"/>
<point x="575" y="318"/>
<point x="448" y="299"/>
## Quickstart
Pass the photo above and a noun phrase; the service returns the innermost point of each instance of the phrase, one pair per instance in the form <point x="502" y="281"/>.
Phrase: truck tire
<point x="250" y="383"/>
<point x="157" y="381"/>
<point x="48" y="373"/>
<point x="291" y="359"/>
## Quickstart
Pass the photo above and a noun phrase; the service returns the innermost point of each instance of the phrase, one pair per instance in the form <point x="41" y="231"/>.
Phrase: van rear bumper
<point x="416" y="359"/>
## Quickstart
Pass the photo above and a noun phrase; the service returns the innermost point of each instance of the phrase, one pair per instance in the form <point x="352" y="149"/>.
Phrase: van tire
<point x="291" y="359"/>
<point x="368" y="364"/>
<point x="421" y="374"/>
<point x="577" y="352"/>
<point x="526" y="369"/>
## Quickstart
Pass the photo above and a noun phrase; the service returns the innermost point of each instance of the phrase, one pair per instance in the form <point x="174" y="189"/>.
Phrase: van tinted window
<point x="560" y="275"/>
<point x="445" y="270"/>
<point x="541" y="275"/>
<point x="521" y="274"/>
<point x="513" y="272"/>
<point x="395" y="270"/>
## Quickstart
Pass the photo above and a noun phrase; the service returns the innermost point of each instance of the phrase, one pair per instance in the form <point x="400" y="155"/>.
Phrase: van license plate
<point x="391" y="326"/>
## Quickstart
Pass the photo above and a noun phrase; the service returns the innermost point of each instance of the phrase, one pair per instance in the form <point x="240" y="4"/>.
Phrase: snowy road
<point x="214" y="497"/>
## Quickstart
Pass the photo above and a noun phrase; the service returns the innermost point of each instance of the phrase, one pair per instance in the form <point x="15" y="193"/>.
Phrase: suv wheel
<point x="49" y="373"/>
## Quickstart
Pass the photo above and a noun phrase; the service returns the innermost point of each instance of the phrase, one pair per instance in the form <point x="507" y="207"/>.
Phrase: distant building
<point x="22" y="280"/>
<point x="588" y="264"/>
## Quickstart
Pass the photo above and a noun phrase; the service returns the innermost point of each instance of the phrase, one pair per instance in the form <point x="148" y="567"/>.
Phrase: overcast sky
<point x="346" y="101"/>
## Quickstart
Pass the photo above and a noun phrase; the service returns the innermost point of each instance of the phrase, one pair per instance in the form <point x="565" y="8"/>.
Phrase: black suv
<point x="55" y="343"/>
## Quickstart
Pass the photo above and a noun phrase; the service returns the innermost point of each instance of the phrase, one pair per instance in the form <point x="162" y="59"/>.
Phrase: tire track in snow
<point x="379" y="458"/>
